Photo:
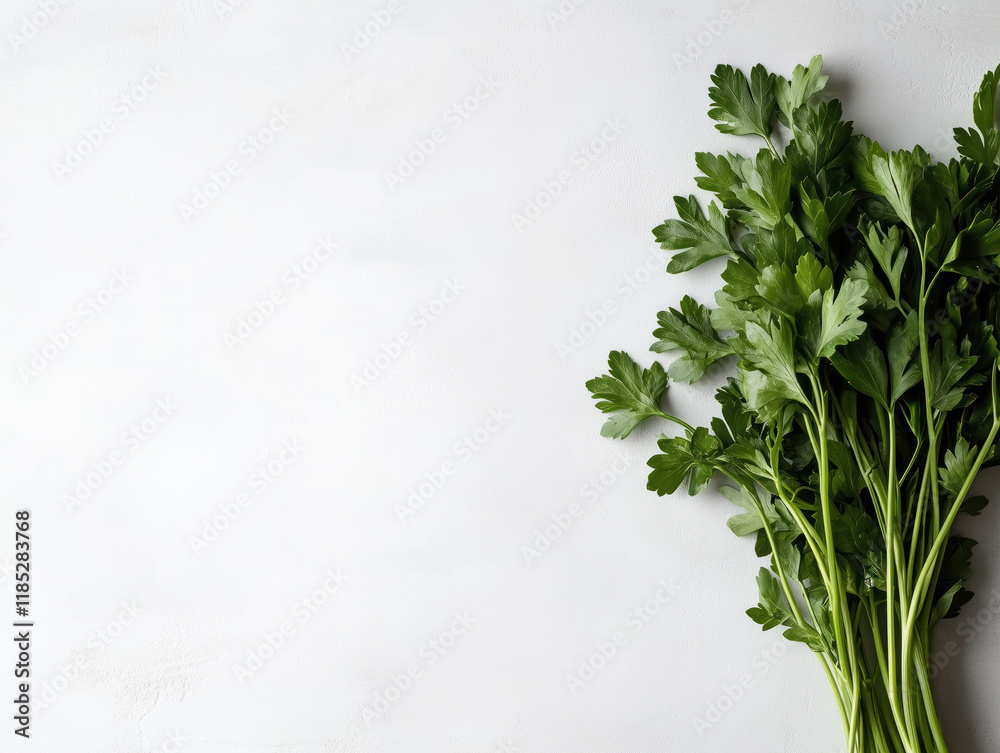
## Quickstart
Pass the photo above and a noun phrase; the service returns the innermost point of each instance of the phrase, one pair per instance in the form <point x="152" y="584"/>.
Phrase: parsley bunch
<point x="860" y="306"/>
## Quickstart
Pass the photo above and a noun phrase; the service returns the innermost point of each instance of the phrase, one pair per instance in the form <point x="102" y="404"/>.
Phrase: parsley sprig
<point x="859" y="310"/>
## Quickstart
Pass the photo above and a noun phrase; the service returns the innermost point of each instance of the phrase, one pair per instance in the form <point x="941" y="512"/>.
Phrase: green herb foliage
<point x="860" y="304"/>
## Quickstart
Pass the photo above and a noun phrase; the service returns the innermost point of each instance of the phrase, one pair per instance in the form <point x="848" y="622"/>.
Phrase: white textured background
<point x="142" y="630"/>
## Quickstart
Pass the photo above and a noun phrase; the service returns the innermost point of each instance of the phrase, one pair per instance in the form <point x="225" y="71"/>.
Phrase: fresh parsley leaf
<point x="949" y="365"/>
<point x="767" y="192"/>
<point x="984" y="103"/>
<point x="863" y="365"/>
<point x="751" y="521"/>
<point x="957" y="466"/>
<point x="824" y="216"/>
<point x="697" y="238"/>
<point x="812" y="276"/>
<point x="693" y="458"/>
<point x="983" y="145"/>
<point x="973" y="245"/>
<point x="887" y="249"/>
<point x="718" y="176"/>
<point x="778" y="288"/>
<point x="896" y="173"/>
<point x="689" y="330"/>
<point x="773" y="609"/>
<point x="782" y="244"/>
<point x="807" y="635"/>
<point x="839" y="320"/>
<point x="956" y="570"/>
<point x="807" y="82"/>
<point x="772" y="352"/>
<point x="768" y="398"/>
<point x="876" y="296"/>
<point x="741" y="107"/>
<point x="904" y="372"/>
<point x="822" y="139"/>
<point x="629" y="392"/>
<point x="735" y="420"/>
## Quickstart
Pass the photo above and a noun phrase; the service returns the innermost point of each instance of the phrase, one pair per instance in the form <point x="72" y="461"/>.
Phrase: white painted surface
<point x="552" y="85"/>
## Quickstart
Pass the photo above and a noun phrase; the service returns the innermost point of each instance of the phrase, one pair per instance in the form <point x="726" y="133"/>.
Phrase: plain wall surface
<point x="299" y="300"/>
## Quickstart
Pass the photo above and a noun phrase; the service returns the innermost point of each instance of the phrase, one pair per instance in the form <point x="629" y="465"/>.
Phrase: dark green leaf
<point x="750" y="521"/>
<point x="689" y="330"/>
<point x="805" y="84"/>
<point x="886" y="249"/>
<point x="741" y="107"/>
<point x="983" y="145"/>
<point x="834" y="321"/>
<point x="896" y="174"/>
<point x="948" y="368"/>
<point x="957" y="466"/>
<point x="956" y="570"/>
<point x="806" y="635"/>
<point x="691" y="458"/>
<point x="773" y="609"/>
<point x="863" y="365"/>
<point x="904" y="373"/>
<point x="822" y="139"/>
<point x="631" y="393"/>
<point x="772" y="352"/>
<point x="766" y="193"/>
<point x="719" y="177"/>
<point x="697" y="238"/>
